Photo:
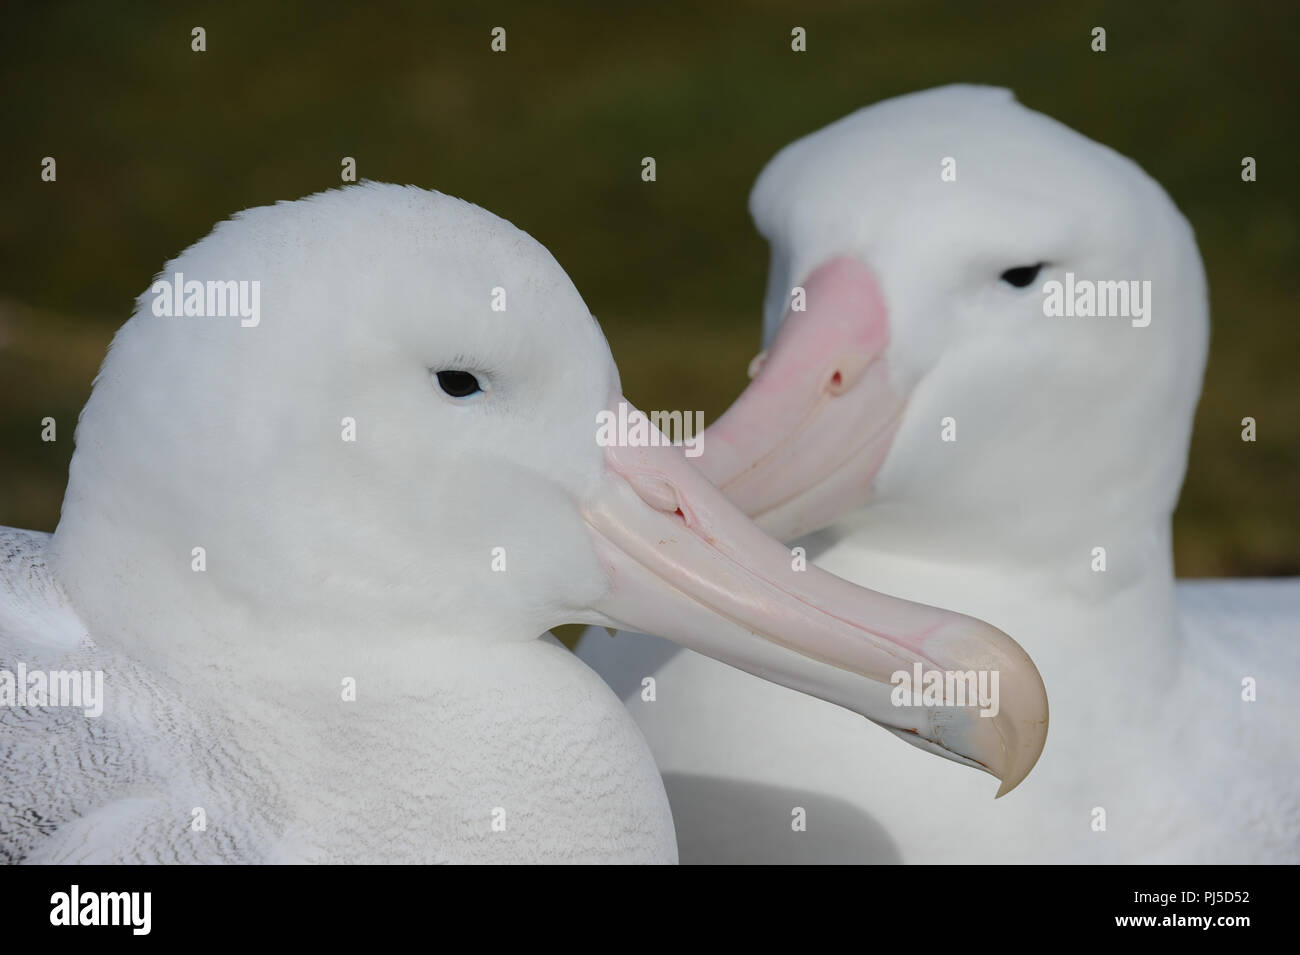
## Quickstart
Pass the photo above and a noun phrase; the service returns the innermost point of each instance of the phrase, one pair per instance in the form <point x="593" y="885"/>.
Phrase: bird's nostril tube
<point x="656" y="491"/>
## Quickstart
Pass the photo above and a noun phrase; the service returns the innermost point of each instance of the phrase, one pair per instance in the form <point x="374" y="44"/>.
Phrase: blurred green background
<point x="156" y="143"/>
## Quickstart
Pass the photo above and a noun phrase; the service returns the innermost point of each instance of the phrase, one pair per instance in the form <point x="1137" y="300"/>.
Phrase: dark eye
<point x="458" y="384"/>
<point x="1022" y="275"/>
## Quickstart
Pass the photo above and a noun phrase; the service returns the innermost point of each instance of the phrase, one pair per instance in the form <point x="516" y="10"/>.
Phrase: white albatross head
<point x="923" y="231"/>
<point x="404" y="448"/>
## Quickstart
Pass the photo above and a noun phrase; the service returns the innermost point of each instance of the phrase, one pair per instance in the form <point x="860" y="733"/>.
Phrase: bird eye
<point x="1022" y="275"/>
<point x="458" y="384"/>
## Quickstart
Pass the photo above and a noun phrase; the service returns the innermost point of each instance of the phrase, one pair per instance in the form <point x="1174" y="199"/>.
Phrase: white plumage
<point x="1071" y="434"/>
<point x="328" y="560"/>
<point x="311" y="554"/>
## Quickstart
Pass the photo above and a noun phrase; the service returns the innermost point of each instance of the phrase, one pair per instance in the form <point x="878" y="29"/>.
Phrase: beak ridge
<point x="685" y="563"/>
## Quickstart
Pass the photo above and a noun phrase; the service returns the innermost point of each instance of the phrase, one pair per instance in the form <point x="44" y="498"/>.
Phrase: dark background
<point x="155" y="143"/>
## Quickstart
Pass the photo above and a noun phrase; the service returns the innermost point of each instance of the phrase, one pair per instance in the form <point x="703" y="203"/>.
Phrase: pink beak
<point x="800" y="446"/>
<point x="685" y="562"/>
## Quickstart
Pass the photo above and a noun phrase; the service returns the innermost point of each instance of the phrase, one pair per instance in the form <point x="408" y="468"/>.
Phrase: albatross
<point x="310" y="561"/>
<point x="926" y="424"/>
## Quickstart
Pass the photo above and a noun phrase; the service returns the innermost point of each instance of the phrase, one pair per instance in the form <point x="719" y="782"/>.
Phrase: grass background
<point x="155" y="143"/>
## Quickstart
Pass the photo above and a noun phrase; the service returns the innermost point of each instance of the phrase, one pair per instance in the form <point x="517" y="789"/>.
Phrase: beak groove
<point x="684" y="562"/>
